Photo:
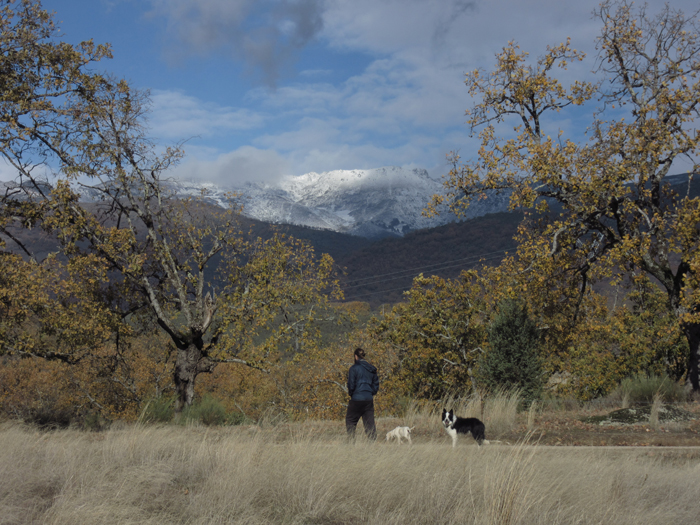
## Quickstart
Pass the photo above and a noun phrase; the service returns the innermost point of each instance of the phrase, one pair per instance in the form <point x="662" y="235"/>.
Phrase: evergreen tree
<point x="512" y="360"/>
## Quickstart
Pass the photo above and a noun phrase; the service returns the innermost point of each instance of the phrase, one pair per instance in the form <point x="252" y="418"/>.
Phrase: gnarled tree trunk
<point x="190" y="362"/>
<point x="692" y="334"/>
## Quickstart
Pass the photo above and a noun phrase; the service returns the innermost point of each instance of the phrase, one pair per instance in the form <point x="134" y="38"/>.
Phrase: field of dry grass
<point x="308" y="473"/>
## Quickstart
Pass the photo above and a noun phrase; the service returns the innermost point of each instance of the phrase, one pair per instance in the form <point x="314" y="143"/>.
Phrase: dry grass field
<point x="307" y="473"/>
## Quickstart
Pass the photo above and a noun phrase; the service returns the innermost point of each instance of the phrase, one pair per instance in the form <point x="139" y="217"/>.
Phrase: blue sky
<point x="265" y="88"/>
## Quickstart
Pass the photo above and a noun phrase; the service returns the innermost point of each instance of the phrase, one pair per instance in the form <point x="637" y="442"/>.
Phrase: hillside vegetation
<point x="381" y="272"/>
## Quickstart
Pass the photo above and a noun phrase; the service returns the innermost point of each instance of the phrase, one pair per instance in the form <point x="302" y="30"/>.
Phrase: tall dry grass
<point x="532" y="413"/>
<point x="249" y="475"/>
<point x="498" y="412"/>
<point x="654" y="412"/>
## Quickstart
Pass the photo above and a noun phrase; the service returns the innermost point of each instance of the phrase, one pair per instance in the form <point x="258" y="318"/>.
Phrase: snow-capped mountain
<point x="371" y="203"/>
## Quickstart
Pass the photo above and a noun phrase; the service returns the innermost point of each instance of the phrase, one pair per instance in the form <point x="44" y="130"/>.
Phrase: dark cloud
<point x="456" y="10"/>
<point x="264" y="34"/>
<point x="306" y="16"/>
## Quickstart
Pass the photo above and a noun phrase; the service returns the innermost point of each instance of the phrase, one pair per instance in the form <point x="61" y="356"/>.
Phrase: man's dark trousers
<point x="364" y="410"/>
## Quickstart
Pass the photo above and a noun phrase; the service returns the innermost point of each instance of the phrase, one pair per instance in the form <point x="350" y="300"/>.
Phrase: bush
<point x="50" y="418"/>
<point x="94" y="422"/>
<point x="237" y="418"/>
<point x="641" y="389"/>
<point x="209" y="411"/>
<point x="159" y="410"/>
<point x="550" y="403"/>
<point x="512" y="360"/>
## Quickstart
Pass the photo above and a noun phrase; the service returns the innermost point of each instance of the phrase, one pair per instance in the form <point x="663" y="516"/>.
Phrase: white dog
<point x="398" y="433"/>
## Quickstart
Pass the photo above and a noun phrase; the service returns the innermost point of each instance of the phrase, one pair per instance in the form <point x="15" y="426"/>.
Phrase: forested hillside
<point x="381" y="272"/>
<point x="376" y="272"/>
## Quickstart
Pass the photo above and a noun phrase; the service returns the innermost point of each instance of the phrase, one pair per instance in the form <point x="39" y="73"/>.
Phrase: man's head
<point x="359" y="354"/>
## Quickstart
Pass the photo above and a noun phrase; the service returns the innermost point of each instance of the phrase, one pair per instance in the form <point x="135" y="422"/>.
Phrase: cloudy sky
<point x="264" y="88"/>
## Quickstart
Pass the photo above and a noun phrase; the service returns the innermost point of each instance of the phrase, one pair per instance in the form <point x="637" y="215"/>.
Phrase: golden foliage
<point x="617" y="211"/>
<point x="436" y="335"/>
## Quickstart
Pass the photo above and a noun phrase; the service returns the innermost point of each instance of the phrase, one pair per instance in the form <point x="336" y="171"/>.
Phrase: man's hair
<point x="359" y="353"/>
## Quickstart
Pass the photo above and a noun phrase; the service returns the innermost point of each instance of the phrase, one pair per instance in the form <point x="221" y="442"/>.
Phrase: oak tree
<point x="219" y="295"/>
<point x="611" y="206"/>
<point x="437" y="334"/>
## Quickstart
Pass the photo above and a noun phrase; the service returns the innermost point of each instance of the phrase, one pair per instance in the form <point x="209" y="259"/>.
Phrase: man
<point x="363" y="384"/>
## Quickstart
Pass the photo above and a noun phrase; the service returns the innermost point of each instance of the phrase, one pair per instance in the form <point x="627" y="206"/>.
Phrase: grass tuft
<point x="158" y="410"/>
<point x="643" y="389"/>
<point x="501" y="411"/>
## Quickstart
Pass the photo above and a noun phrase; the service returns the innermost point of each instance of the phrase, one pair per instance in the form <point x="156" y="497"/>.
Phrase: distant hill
<point x="381" y="272"/>
<point x="378" y="272"/>
<point x="444" y="250"/>
<point x="337" y="245"/>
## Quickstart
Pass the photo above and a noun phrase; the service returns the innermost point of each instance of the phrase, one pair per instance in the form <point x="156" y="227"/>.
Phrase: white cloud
<point x="405" y="108"/>
<point x="246" y="164"/>
<point x="454" y="30"/>
<point x="7" y="171"/>
<point x="177" y="116"/>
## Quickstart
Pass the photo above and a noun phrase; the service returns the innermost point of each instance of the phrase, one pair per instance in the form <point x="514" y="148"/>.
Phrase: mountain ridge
<point x="373" y="203"/>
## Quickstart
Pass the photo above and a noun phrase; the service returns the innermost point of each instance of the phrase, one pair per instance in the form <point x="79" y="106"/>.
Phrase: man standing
<point x="363" y="384"/>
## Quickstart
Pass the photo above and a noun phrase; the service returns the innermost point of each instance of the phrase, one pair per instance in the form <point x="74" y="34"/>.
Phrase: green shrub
<point x="94" y="421"/>
<point x="159" y="410"/>
<point x="237" y="418"/>
<point x="512" y="360"/>
<point x="208" y="411"/>
<point x="641" y="389"/>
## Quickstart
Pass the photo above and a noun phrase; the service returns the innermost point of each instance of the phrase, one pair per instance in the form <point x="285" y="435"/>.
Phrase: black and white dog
<point x="463" y="425"/>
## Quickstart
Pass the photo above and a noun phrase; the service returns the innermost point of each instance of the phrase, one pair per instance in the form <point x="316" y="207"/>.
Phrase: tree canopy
<point x="219" y="295"/>
<point x="610" y="209"/>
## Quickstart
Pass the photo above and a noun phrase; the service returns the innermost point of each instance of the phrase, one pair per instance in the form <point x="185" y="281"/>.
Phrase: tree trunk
<point x="692" y="334"/>
<point x="187" y="366"/>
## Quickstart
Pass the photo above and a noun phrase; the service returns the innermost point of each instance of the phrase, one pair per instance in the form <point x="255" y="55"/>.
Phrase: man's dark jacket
<point x="363" y="382"/>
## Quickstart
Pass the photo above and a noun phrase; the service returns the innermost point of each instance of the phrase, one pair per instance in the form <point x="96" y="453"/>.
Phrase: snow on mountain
<point x="370" y="203"/>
